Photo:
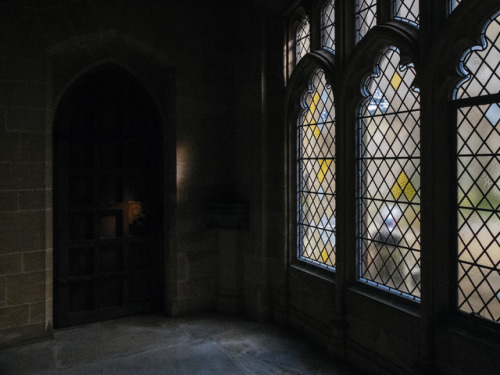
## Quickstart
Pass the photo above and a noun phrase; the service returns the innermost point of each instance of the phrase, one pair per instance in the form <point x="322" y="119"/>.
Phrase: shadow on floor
<point x="151" y="344"/>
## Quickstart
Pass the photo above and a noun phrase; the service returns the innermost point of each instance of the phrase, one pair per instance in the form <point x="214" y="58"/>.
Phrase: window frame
<point x="360" y="197"/>
<point x="362" y="62"/>
<point x="454" y="106"/>
<point x="298" y="84"/>
<point x="436" y="318"/>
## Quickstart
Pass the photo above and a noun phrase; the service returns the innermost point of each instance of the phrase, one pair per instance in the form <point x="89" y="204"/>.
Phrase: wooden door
<point x="107" y="201"/>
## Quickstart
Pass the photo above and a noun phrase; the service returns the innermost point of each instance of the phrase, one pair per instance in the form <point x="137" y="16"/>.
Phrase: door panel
<point x="107" y="201"/>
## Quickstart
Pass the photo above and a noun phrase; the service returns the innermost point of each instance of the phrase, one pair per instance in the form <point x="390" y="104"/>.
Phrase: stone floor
<point x="149" y="344"/>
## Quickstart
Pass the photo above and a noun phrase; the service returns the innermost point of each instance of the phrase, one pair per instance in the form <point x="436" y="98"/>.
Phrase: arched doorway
<point x="107" y="200"/>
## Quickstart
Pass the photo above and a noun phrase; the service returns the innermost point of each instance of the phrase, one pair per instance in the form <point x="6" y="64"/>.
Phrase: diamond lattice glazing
<point x="481" y="65"/>
<point x="453" y="5"/>
<point x="478" y="172"/>
<point x="316" y="174"/>
<point x="328" y="26"/>
<point x="407" y="10"/>
<point x="389" y="185"/>
<point x="303" y="39"/>
<point x="366" y="17"/>
<point x="478" y="177"/>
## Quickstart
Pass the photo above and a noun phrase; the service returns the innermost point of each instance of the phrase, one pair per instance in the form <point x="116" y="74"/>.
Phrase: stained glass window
<point x="328" y="26"/>
<point x="366" y="17"/>
<point x="407" y="10"/>
<point x="478" y="177"/>
<point x="303" y="39"/>
<point x="388" y="194"/>
<point x="316" y="174"/>
<point x="481" y="65"/>
<point x="454" y="4"/>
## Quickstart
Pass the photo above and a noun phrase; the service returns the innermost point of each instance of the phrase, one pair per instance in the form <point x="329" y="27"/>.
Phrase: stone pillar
<point x="229" y="220"/>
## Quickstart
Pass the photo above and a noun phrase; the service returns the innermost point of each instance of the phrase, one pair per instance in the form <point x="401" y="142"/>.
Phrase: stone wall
<point x="203" y="69"/>
<point x="25" y="183"/>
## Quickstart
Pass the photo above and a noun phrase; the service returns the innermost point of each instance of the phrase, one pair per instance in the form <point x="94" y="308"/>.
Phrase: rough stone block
<point x="49" y="309"/>
<point x="31" y="229"/>
<point x="25" y="120"/>
<point x="2" y="291"/>
<point x="22" y="70"/>
<point x="34" y="261"/>
<point x="22" y="94"/>
<point x="25" y="288"/>
<point x="15" y="316"/>
<point x="31" y="199"/>
<point x="37" y="312"/>
<point x="31" y="240"/>
<point x="31" y="175"/>
<point x="48" y="199"/>
<point x="8" y="241"/>
<point x="31" y="219"/>
<point x="9" y="222"/>
<point x="48" y="229"/>
<point x="8" y="201"/>
<point x="10" y="264"/>
<point x="48" y="176"/>
<point x="10" y="147"/>
<point x="49" y="259"/>
<point x="33" y="148"/>
<point x="8" y="177"/>
<point x="24" y="335"/>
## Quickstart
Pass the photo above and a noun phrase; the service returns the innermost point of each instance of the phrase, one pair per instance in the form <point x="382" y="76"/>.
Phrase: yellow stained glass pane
<point x="403" y="186"/>
<point x="409" y="191"/>
<point x="396" y="80"/>
<point x="324" y="255"/>
<point x="316" y="131"/>
<point x="316" y="98"/>
<point x="314" y="103"/>
<point x="324" y="164"/>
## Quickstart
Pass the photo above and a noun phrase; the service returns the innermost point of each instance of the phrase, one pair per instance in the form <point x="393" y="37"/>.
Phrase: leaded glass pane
<point x="388" y="192"/>
<point x="366" y="17"/>
<point x="407" y="10"/>
<point x="454" y="4"/>
<point x="478" y="198"/>
<point x="303" y="39"/>
<point x="481" y="64"/>
<point x="328" y="26"/>
<point x="316" y="174"/>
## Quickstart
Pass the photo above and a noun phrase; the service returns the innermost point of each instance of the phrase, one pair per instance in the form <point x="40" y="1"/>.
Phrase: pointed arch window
<point x="366" y="17"/>
<point x="453" y="4"/>
<point x="303" y="39"/>
<point x="477" y="102"/>
<point x="316" y="174"/>
<point x="407" y="11"/>
<point x="388" y="192"/>
<point x="328" y="26"/>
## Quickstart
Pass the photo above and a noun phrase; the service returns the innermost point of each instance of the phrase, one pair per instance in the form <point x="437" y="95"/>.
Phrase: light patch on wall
<point x="184" y="156"/>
